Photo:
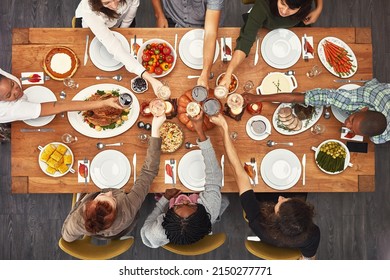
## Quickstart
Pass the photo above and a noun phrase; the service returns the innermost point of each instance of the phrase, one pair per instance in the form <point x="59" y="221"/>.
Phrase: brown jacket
<point x="128" y="204"/>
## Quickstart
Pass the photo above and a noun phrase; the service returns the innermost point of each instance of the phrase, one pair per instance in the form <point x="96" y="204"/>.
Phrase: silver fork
<point x="172" y="162"/>
<point x="224" y="58"/>
<point x="63" y="96"/>
<point x="86" y="175"/>
<point x="253" y="162"/>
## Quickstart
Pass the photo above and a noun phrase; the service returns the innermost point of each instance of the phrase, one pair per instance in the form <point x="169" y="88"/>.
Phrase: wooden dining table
<point x="29" y="46"/>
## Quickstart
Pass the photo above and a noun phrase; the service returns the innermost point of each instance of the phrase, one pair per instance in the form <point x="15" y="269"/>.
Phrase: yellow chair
<point x="74" y="22"/>
<point x="84" y="248"/>
<point x="203" y="246"/>
<point x="269" y="252"/>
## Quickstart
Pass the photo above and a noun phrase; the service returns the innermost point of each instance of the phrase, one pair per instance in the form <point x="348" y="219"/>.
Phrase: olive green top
<point x="260" y="16"/>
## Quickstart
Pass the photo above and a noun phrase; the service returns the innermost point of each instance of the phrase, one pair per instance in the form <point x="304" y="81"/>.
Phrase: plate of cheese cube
<point x="56" y="159"/>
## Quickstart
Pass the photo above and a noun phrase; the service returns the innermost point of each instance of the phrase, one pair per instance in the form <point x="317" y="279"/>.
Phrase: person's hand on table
<point x="170" y="193"/>
<point x="156" y="124"/>
<point x="112" y="102"/>
<point x="250" y="98"/>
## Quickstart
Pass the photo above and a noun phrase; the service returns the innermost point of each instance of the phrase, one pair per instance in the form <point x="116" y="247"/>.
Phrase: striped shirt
<point x="374" y="95"/>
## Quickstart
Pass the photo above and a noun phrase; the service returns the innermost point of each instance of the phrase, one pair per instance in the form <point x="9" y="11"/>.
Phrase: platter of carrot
<point x="337" y="57"/>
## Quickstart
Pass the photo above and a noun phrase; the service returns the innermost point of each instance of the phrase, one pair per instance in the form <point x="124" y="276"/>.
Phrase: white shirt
<point x="20" y="109"/>
<point x="99" y="24"/>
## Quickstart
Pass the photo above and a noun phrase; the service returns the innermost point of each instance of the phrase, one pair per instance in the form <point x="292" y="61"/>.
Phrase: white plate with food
<point x="342" y="50"/>
<point x="101" y="58"/>
<point x="277" y="82"/>
<point x="258" y="127"/>
<point x="191" y="171"/>
<point x="158" y="47"/>
<point x="191" y="49"/>
<point x="172" y="137"/>
<point x="110" y="169"/>
<point x="338" y="113"/>
<point x="39" y="94"/>
<point x="332" y="156"/>
<point x="56" y="159"/>
<point x="281" y="48"/>
<point x="280" y="169"/>
<point x="95" y="124"/>
<point x="292" y="119"/>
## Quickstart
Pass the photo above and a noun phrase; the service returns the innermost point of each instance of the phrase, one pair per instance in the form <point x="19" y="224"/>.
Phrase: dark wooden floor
<point x="353" y="226"/>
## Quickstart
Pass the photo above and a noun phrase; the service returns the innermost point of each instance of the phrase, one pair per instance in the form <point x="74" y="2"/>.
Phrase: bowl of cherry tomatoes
<point x="157" y="56"/>
<point x="233" y="84"/>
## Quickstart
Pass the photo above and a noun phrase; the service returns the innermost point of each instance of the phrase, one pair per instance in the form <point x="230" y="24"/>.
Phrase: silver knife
<point x="86" y="51"/>
<point x="135" y="166"/>
<point x="223" y="169"/>
<point x="257" y="52"/>
<point x="134" y="46"/>
<point x="350" y="81"/>
<point x="37" y="130"/>
<point x="304" y="169"/>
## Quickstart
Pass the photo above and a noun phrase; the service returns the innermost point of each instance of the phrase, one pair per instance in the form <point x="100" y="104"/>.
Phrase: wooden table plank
<point x="29" y="56"/>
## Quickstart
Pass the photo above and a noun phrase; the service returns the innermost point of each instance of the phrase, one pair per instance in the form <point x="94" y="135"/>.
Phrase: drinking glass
<point x="164" y="92"/>
<point x="314" y="72"/>
<point x="143" y="138"/>
<point x="317" y="129"/>
<point x="71" y="83"/>
<point x="68" y="138"/>
<point x="248" y="86"/>
<point x="234" y="136"/>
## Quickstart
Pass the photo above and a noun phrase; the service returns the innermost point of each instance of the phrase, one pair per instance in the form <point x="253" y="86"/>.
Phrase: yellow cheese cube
<point x="52" y="163"/>
<point x="50" y="149"/>
<point x="45" y="156"/>
<point x="68" y="159"/>
<point x="63" y="168"/>
<point x="56" y="156"/>
<point x="61" y="149"/>
<point x="50" y="170"/>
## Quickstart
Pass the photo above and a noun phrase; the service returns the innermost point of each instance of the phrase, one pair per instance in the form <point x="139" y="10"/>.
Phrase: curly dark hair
<point x="97" y="6"/>
<point x="304" y="5"/>
<point x="184" y="231"/>
<point x="98" y="216"/>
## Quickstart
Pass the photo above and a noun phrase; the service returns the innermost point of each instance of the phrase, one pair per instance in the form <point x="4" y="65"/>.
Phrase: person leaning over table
<point x="200" y="13"/>
<point x="14" y="105"/>
<point x="100" y="16"/>
<point x="270" y="14"/>
<point x="369" y="104"/>
<point x="283" y="222"/>
<point x="113" y="213"/>
<point x="181" y="219"/>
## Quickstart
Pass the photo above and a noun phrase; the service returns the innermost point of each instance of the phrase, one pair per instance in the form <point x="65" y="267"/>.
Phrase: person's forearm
<point x="211" y="31"/>
<point x="319" y="4"/>
<point x="237" y="59"/>
<point x="51" y="108"/>
<point x="280" y="97"/>
<point x="158" y="9"/>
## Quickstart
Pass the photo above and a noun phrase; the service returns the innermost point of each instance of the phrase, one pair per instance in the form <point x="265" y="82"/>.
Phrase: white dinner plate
<point x="280" y="169"/>
<point x="191" y="49"/>
<point x="306" y="124"/>
<point x="281" y="48"/>
<point x="101" y="58"/>
<point x="340" y="114"/>
<point x="252" y="134"/>
<point x="76" y="118"/>
<point x="191" y="171"/>
<point x="39" y="94"/>
<point x="110" y="169"/>
<point x="337" y="41"/>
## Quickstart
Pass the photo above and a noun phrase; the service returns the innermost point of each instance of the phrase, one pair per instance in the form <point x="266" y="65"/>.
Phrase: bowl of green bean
<point x="332" y="156"/>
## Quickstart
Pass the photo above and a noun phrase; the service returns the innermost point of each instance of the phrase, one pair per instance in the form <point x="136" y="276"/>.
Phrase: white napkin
<point x="80" y="178"/>
<point x="140" y="41"/>
<point x="229" y="44"/>
<point x="256" y="172"/>
<point x="168" y="179"/>
<point x="30" y="74"/>
<point x="310" y="40"/>
<point x="344" y="131"/>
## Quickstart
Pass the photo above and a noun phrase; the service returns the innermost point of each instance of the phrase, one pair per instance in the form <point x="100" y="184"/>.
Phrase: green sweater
<point x="259" y="17"/>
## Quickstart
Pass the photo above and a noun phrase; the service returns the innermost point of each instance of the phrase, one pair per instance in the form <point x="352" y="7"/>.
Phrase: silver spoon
<point x="326" y="113"/>
<point x="271" y="143"/>
<point x="63" y="96"/>
<point x="194" y="77"/>
<point x="116" y="77"/>
<point x="100" y="145"/>
<point x="190" y="145"/>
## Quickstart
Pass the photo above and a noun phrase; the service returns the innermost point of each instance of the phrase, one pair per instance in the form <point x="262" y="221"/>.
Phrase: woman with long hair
<point x="100" y="16"/>
<point x="270" y="14"/>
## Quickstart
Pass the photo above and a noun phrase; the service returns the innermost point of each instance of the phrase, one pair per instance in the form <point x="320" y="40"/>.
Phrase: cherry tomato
<point x="150" y="69"/>
<point x="169" y="58"/>
<point x="146" y="57"/>
<point x="158" y="70"/>
<point x="160" y="46"/>
<point x="166" y="50"/>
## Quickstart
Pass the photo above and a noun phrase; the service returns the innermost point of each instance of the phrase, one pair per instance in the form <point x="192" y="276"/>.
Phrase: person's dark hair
<point x="97" y="6"/>
<point x="374" y="123"/>
<point x="184" y="231"/>
<point x="294" y="219"/>
<point x="98" y="216"/>
<point x="304" y="5"/>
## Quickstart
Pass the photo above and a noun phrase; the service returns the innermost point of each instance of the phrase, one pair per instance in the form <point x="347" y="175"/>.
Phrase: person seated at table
<point x="369" y="106"/>
<point x="100" y="16"/>
<point x="186" y="219"/>
<point x="14" y="105"/>
<point x="196" y="14"/>
<point x="270" y="14"/>
<point x="113" y="213"/>
<point x="276" y="220"/>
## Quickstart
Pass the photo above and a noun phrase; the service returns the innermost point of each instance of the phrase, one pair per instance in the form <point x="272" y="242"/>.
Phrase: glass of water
<point x="317" y="129"/>
<point x="68" y="138"/>
<point x="71" y="83"/>
<point x="314" y="72"/>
